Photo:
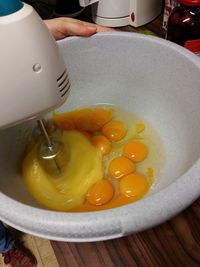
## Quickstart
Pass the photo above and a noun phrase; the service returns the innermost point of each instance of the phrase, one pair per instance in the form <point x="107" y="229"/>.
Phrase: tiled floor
<point x="42" y="250"/>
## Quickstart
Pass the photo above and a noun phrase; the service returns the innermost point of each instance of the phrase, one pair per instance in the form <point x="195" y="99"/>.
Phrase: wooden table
<point x="174" y="243"/>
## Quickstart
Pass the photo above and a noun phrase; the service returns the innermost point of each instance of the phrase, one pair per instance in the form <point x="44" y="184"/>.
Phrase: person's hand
<point x="63" y="27"/>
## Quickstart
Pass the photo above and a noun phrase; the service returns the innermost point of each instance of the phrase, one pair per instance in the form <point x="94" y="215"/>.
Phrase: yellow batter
<point x="68" y="190"/>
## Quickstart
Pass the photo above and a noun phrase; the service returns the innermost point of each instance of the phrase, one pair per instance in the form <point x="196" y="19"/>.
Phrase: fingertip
<point x="88" y="31"/>
<point x="92" y="28"/>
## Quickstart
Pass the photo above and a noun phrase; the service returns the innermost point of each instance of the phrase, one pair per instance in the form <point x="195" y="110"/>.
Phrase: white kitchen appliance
<point x="34" y="79"/>
<point x="118" y="13"/>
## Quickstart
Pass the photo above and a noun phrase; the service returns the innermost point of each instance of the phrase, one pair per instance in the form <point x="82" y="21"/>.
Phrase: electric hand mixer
<point x="34" y="78"/>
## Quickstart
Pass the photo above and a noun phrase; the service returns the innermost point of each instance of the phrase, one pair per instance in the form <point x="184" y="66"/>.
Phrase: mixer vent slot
<point x="63" y="83"/>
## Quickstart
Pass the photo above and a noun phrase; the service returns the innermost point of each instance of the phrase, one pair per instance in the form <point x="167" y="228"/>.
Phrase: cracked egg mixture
<point x="111" y="158"/>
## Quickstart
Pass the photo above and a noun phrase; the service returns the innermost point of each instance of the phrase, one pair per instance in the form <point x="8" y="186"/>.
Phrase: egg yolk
<point x="87" y="119"/>
<point x="120" y="167"/>
<point x="67" y="125"/>
<point x="134" y="185"/>
<point x="102" y="144"/>
<point x="89" y="137"/>
<point x="100" y="193"/>
<point x="135" y="151"/>
<point x="114" y="130"/>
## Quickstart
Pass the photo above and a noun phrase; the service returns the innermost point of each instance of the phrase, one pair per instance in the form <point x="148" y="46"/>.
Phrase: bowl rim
<point x="113" y="223"/>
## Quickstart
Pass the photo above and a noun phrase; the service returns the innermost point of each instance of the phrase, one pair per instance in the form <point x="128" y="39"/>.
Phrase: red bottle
<point x="184" y="25"/>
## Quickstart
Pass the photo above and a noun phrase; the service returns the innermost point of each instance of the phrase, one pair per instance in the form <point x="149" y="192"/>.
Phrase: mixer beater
<point x="52" y="154"/>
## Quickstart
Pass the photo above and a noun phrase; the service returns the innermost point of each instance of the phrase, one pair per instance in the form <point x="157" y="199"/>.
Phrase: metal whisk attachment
<point x="52" y="153"/>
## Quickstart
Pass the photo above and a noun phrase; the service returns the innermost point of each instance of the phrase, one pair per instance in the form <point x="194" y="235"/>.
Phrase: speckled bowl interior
<point x="151" y="77"/>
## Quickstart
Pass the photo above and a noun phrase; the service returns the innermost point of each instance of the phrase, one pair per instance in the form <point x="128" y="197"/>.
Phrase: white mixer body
<point x="34" y="79"/>
<point x="118" y="13"/>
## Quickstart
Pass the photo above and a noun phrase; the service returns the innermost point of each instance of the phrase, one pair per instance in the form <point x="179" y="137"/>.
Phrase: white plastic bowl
<point x="151" y="77"/>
